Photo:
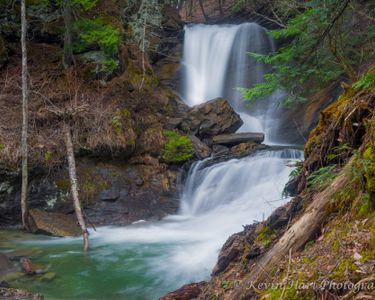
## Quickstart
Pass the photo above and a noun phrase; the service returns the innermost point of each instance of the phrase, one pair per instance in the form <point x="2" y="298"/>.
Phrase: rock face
<point x="112" y="193"/>
<point x="238" y="138"/>
<point x="211" y="118"/>
<point x="56" y="224"/>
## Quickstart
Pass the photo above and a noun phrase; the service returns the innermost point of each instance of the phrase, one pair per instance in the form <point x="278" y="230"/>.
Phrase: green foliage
<point x="296" y="171"/>
<point x="120" y="119"/>
<point x="322" y="47"/>
<point x="368" y="166"/>
<point x="238" y="6"/>
<point x="309" y="244"/>
<point x="97" y="34"/>
<point x="85" y="4"/>
<point x="366" y="205"/>
<point x="366" y="81"/>
<point x="229" y="284"/>
<point x="322" y="177"/>
<point x="48" y="156"/>
<point x="265" y="236"/>
<point x="178" y="148"/>
<point x="344" y="267"/>
<point x="339" y="154"/>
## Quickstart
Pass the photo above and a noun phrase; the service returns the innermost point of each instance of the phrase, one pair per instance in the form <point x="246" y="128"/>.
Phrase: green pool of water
<point x="116" y="271"/>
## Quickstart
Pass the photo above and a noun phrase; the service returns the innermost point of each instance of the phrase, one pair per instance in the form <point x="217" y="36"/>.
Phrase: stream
<point x="146" y="260"/>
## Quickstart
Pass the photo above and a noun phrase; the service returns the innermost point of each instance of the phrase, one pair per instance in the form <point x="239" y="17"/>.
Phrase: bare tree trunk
<point x="143" y="46"/>
<point x="221" y="7"/>
<point x="68" y="43"/>
<point x="74" y="186"/>
<point x="25" y="95"/>
<point x="202" y="8"/>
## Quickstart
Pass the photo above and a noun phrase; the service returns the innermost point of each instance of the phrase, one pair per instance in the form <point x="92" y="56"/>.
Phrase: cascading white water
<point x="217" y="199"/>
<point x="146" y="260"/>
<point x="216" y="63"/>
<point x="236" y="181"/>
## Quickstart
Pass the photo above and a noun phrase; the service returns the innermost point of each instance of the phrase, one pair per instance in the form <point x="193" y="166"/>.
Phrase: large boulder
<point x="211" y="118"/>
<point x="56" y="224"/>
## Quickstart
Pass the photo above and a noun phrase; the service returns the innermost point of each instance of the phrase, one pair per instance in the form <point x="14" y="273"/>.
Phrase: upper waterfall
<point x="216" y="61"/>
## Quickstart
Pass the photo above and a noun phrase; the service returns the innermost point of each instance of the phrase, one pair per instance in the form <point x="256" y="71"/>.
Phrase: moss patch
<point x="265" y="236"/>
<point x="178" y="148"/>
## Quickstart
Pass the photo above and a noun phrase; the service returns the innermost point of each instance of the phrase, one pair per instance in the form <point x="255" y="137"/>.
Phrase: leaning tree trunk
<point x="74" y="186"/>
<point x="25" y="95"/>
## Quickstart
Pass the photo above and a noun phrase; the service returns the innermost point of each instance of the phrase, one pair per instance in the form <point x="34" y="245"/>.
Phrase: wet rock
<point x="238" y="138"/>
<point x="29" y="268"/>
<point x="233" y="247"/>
<point x="220" y="150"/>
<point x="153" y="199"/>
<point x="18" y="294"/>
<point x="212" y="118"/>
<point x="201" y="150"/>
<point x="291" y="187"/>
<point x="238" y="245"/>
<point x="187" y="292"/>
<point x="245" y="149"/>
<point x="283" y="214"/>
<point x="56" y="224"/>
<point x="12" y="276"/>
<point x="48" y="276"/>
<point x="109" y="195"/>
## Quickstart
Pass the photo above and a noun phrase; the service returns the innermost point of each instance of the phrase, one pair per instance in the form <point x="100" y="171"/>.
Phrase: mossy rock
<point x="178" y="148"/>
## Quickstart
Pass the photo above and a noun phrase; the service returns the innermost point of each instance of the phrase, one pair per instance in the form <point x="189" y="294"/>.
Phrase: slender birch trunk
<point x="25" y="95"/>
<point x="74" y="186"/>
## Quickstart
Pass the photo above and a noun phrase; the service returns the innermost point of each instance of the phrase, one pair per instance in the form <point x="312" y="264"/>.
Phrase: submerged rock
<point x="211" y="118"/>
<point x="12" y="294"/>
<point x="30" y="268"/>
<point x="56" y="224"/>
